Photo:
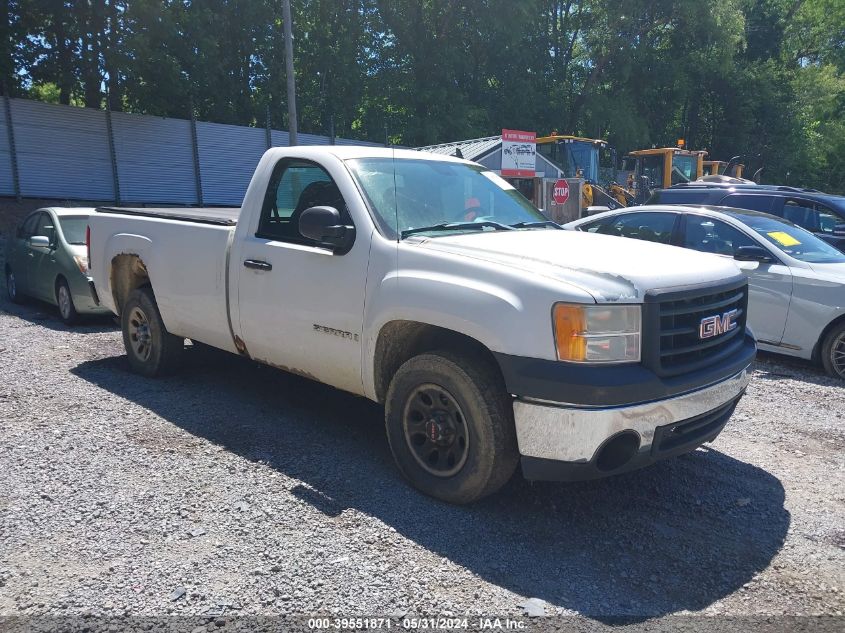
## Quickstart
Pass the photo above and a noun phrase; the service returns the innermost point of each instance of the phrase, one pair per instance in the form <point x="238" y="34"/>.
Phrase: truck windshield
<point x="407" y="195"/>
<point x="794" y="241"/>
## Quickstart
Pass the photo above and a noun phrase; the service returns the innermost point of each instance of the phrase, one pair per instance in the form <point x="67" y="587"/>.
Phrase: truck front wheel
<point x="450" y="426"/>
<point x="151" y="349"/>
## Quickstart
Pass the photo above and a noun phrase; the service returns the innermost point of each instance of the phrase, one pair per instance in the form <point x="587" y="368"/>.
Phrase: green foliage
<point x="764" y="79"/>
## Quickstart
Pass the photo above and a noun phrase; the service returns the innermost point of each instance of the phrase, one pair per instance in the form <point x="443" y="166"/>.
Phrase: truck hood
<point x="607" y="267"/>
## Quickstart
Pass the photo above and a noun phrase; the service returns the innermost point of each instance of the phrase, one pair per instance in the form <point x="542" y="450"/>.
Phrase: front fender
<point x="479" y="310"/>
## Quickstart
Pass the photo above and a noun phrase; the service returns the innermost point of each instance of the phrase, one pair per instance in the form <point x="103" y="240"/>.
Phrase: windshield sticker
<point x="784" y="239"/>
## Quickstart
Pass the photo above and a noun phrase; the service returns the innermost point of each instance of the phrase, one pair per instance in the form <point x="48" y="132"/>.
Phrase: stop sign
<point x="561" y="192"/>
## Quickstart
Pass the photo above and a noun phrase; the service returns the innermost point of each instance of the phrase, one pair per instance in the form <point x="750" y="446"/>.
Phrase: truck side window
<point x="295" y="186"/>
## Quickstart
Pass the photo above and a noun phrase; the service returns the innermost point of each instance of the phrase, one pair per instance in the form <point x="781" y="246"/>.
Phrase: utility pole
<point x="289" y="69"/>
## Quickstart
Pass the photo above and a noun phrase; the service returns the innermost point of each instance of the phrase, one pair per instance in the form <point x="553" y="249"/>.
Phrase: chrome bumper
<point x="563" y="432"/>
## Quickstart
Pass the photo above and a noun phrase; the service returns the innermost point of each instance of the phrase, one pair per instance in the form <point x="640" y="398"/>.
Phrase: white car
<point x="796" y="280"/>
<point x="487" y="334"/>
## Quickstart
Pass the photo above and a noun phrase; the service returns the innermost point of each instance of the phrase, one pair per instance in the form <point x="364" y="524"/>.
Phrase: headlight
<point x="82" y="263"/>
<point x="597" y="333"/>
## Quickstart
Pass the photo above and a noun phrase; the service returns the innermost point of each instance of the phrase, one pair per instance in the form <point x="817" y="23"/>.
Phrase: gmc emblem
<point x="715" y="325"/>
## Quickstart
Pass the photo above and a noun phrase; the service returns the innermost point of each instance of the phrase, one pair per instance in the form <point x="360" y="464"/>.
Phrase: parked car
<point x="46" y="259"/>
<point x="796" y="280"/>
<point x="820" y="213"/>
<point x="484" y="339"/>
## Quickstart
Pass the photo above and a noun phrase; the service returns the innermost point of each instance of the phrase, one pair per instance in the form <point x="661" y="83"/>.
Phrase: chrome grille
<point x="675" y="320"/>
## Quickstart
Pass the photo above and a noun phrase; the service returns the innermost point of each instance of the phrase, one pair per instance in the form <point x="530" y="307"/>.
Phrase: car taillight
<point x="88" y="244"/>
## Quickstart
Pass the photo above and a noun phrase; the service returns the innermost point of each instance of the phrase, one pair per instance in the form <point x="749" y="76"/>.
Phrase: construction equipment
<point x="660" y="168"/>
<point x="590" y="159"/>
<point x="721" y="168"/>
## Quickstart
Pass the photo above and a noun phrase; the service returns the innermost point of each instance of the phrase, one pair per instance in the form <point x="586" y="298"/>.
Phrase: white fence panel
<point x="155" y="159"/>
<point x="228" y="156"/>
<point x="62" y="152"/>
<point x="279" y="138"/>
<point x="7" y="179"/>
<point x="349" y="141"/>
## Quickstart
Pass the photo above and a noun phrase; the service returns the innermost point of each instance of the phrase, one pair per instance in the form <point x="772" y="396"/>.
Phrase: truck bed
<point x="223" y="216"/>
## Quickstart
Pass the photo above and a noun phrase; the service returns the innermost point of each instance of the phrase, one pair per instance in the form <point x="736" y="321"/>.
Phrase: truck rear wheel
<point x="151" y="349"/>
<point x="450" y="426"/>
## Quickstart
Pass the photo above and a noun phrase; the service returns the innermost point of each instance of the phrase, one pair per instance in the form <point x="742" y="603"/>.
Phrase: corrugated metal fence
<point x="55" y="151"/>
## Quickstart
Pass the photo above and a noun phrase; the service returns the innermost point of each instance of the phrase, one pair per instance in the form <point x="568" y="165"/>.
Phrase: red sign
<point x="519" y="150"/>
<point x="561" y="191"/>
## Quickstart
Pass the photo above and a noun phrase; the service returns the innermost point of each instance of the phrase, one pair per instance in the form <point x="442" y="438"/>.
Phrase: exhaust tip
<point x="618" y="451"/>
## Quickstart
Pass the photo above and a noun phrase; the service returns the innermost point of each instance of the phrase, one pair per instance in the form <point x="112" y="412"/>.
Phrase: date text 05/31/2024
<point x="478" y="623"/>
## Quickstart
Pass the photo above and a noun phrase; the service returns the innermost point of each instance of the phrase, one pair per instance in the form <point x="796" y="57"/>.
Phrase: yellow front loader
<point x="721" y="168"/>
<point x="590" y="159"/>
<point x="660" y="168"/>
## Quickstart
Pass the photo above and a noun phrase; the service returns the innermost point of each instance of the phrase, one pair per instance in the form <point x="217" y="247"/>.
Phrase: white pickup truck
<point x="428" y="284"/>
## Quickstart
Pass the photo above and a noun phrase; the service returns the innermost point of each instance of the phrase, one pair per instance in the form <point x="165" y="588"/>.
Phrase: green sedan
<point x="47" y="259"/>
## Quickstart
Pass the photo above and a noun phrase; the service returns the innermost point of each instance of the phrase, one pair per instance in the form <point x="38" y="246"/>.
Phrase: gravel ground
<point x="237" y="489"/>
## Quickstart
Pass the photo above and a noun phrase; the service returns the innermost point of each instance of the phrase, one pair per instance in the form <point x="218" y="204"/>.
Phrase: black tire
<point x="12" y="287"/>
<point x="833" y="351"/>
<point x="151" y="349"/>
<point x="64" y="300"/>
<point x="476" y="393"/>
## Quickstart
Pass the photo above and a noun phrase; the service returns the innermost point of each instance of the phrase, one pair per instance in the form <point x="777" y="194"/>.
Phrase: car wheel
<point x="67" y="311"/>
<point x="833" y="352"/>
<point x="151" y="349"/>
<point x="12" y="287"/>
<point x="450" y="426"/>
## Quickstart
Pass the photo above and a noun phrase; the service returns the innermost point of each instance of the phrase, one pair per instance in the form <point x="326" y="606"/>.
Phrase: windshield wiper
<point x="539" y="224"/>
<point x="456" y="226"/>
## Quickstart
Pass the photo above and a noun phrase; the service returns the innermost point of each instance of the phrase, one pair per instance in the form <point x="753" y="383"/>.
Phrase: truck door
<point x="769" y="284"/>
<point x="300" y="305"/>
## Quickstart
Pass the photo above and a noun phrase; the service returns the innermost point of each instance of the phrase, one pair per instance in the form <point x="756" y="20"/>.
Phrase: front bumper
<point x="568" y="442"/>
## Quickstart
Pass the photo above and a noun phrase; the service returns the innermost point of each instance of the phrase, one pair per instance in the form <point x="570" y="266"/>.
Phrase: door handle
<point x="257" y="264"/>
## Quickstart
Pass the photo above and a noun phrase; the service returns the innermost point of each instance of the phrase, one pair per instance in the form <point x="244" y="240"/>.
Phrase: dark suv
<point x="819" y="213"/>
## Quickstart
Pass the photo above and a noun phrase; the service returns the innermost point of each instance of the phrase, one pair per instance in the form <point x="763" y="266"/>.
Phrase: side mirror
<point x="753" y="254"/>
<point x="39" y="241"/>
<point x="323" y="225"/>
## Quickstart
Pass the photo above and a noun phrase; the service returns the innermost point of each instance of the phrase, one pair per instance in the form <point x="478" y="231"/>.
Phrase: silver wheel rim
<point x="140" y="338"/>
<point x="837" y="354"/>
<point x="64" y="301"/>
<point x="11" y="286"/>
<point x="436" y="430"/>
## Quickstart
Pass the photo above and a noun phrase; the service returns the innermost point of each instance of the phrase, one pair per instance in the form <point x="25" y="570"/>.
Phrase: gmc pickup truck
<point x="430" y="285"/>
